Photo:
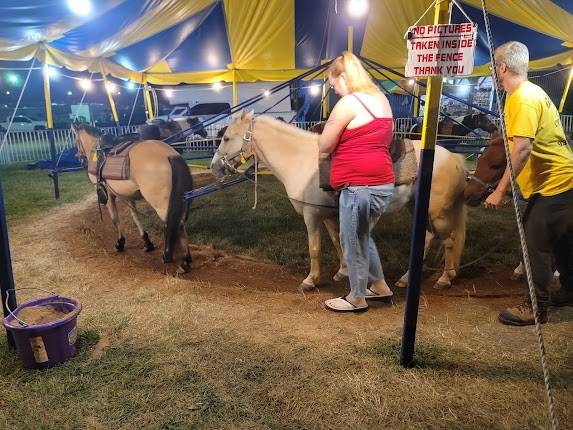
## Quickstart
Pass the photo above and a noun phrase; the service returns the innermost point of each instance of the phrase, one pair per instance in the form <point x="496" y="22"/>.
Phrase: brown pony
<point x="448" y="127"/>
<point x="157" y="174"/>
<point x="488" y="172"/>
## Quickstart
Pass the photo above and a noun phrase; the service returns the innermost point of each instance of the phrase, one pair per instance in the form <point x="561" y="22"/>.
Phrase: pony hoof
<point x="167" y="259"/>
<point x="340" y="276"/>
<point x="120" y="244"/>
<point x="305" y="287"/>
<point x="442" y="285"/>
<point x="183" y="268"/>
<point x="516" y="276"/>
<point x="148" y="247"/>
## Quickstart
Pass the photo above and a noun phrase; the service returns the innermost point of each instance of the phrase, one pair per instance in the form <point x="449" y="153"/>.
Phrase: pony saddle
<point x="111" y="158"/>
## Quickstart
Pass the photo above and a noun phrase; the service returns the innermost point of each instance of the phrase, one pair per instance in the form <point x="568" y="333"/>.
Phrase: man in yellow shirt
<point x="542" y="161"/>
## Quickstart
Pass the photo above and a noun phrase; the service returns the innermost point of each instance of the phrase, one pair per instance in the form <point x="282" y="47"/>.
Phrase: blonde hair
<point x="515" y="56"/>
<point x="357" y="78"/>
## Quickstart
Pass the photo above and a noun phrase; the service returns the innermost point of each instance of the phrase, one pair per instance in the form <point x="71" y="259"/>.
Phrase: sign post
<point x="441" y="50"/>
<point x="433" y="51"/>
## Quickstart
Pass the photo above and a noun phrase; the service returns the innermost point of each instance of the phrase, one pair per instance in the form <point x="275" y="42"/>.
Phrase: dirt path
<point x="231" y="311"/>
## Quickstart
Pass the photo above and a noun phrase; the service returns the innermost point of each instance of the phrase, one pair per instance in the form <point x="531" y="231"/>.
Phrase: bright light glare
<point x="315" y="90"/>
<point x="411" y="82"/>
<point x="69" y="93"/>
<point x="12" y="78"/>
<point x="464" y="89"/>
<point x="357" y="8"/>
<point x="119" y="93"/>
<point x="111" y="87"/>
<point x="267" y="93"/>
<point x="168" y="93"/>
<point x="80" y="7"/>
<point x="130" y="85"/>
<point x="217" y="86"/>
<point x="7" y="93"/>
<point x="52" y="72"/>
<point x="85" y="84"/>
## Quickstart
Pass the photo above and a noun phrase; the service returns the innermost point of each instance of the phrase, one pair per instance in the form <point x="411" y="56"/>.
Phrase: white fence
<point x="30" y="146"/>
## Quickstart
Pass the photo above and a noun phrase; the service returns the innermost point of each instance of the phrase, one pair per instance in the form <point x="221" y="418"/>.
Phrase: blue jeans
<point x="360" y="209"/>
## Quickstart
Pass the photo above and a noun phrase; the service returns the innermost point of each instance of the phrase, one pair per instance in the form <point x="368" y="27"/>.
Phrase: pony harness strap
<point x="248" y="149"/>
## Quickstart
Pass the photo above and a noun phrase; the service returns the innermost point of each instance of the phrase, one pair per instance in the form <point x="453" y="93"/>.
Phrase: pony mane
<point x="89" y="129"/>
<point x="289" y="129"/>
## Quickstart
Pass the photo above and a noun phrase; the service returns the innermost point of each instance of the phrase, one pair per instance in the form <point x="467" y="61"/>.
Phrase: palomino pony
<point x="292" y="155"/>
<point x="159" y="175"/>
<point x="448" y="127"/>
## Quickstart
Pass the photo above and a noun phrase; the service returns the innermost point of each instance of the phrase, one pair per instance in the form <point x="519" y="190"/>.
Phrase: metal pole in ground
<point x="420" y="221"/>
<point x="6" y="277"/>
<point x="50" y="131"/>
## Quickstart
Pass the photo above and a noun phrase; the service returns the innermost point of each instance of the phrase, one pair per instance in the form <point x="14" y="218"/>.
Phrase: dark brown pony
<point x="158" y="174"/>
<point x="488" y="172"/>
<point x="448" y="127"/>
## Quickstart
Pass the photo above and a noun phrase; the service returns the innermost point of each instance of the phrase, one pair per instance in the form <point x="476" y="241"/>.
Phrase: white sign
<point x="441" y="50"/>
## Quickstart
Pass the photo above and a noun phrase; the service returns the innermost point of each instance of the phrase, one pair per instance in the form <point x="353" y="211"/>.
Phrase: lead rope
<point x="549" y="391"/>
<point x="256" y="179"/>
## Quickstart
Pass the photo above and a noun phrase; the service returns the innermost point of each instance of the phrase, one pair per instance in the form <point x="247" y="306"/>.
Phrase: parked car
<point x="23" y="123"/>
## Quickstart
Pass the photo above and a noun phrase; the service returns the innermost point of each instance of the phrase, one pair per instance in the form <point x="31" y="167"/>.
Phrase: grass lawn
<point x="30" y="192"/>
<point x="164" y="352"/>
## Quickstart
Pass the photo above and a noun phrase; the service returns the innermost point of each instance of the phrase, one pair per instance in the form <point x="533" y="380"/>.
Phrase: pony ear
<point x="250" y="114"/>
<point x="243" y="114"/>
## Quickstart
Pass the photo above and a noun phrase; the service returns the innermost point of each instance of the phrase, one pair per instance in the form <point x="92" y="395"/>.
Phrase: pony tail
<point x="357" y="77"/>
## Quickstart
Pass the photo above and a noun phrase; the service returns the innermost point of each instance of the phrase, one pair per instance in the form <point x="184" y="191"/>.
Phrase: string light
<point x="411" y="82"/>
<point x="85" y="84"/>
<point x="111" y="87"/>
<point x="267" y="93"/>
<point x="13" y="78"/>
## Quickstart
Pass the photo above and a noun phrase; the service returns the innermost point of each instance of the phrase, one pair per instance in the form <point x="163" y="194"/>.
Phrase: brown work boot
<point x="521" y="314"/>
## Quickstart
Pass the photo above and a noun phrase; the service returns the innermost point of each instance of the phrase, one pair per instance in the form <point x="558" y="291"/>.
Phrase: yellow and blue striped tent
<point x="200" y="41"/>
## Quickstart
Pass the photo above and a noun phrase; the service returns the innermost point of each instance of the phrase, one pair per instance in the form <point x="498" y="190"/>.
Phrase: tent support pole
<point x="111" y="102"/>
<point x="235" y="89"/>
<point x="566" y="90"/>
<point x="50" y="131"/>
<point x="420" y="220"/>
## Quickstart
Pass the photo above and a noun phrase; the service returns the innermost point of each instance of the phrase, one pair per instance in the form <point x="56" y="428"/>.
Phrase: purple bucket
<point x="45" y="345"/>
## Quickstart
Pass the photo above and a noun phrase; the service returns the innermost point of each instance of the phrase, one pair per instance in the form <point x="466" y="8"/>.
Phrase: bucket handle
<point x="24" y="323"/>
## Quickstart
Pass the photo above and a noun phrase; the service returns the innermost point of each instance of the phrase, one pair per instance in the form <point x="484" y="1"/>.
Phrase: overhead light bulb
<point x="168" y="93"/>
<point x="85" y="84"/>
<point x="357" y="8"/>
<point x="267" y="93"/>
<point x="111" y="87"/>
<point x="217" y="86"/>
<point x="315" y="90"/>
<point x="80" y="7"/>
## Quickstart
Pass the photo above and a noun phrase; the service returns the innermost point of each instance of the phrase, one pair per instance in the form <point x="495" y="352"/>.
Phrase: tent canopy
<point x="201" y="41"/>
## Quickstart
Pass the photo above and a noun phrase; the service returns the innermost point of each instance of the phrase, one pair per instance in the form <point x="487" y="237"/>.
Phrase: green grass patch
<point x="274" y="231"/>
<point x="30" y="192"/>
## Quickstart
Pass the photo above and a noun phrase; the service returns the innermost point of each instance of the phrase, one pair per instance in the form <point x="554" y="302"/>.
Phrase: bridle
<point x="81" y="154"/>
<point x="244" y="154"/>
<point x="488" y="186"/>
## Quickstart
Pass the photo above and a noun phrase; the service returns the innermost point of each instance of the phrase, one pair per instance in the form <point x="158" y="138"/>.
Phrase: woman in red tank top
<point x="358" y="135"/>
